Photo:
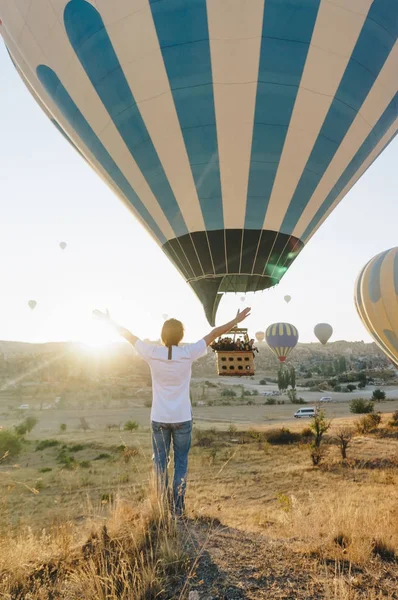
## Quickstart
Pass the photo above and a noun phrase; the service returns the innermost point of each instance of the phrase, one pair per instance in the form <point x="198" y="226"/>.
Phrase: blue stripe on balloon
<point x="381" y="127"/>
<point x="374" y="281"/>
<point x="90" y="40"/>
<point x="183" y="34"/>
<point x="370" y="53"/>
<point x="72" y="114"/>
<point x="286" y="36"/>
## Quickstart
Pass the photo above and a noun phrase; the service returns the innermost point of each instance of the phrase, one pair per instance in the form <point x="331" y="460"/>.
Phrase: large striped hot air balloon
<point x="281" y="338"/>
<point x="376" y="300"/>
<point x="230" y="128"/>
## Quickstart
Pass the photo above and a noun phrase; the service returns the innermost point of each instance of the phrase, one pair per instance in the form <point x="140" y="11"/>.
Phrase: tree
<point x="10" y="444"/>
<point x="342" y="364"/>
<point x="131" y="426"/>
<point x="62" y="427"/>
<point x="362" y="385"/>
<point x="378" y="395"/>
<point x="361" y="406"/>
<point x="344" y="436"/>
<point x="351" y="387"/>
<point x="292" y="377"/>
<point x="319" y="426"/>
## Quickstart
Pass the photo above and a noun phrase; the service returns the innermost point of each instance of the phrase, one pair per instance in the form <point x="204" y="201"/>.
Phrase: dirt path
<point x="235" y="565"/>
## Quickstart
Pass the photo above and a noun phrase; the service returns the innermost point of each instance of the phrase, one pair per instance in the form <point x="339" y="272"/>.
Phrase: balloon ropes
<point x="323" y="331"/>
<point x="231" y="186"/>
<point x="376" y="300"/>
<point x="281" y="338"/>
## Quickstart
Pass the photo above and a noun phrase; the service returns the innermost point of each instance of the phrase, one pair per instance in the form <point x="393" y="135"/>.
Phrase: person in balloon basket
<point x="171" y="415"/>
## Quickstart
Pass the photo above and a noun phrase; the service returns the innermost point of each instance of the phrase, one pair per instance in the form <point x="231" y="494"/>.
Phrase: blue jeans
<point x="162" y="434"/>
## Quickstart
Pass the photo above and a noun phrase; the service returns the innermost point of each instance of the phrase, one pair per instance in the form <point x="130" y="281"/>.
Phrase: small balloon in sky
<point x="260" y="335"/>
<point x="63" y="245"/>
<point x="323" y="332"/>
<point x="32" y="304"/>
<point x="242" y="299"/>
<point x="287" y="299"/>
<point x="165" y="316"/>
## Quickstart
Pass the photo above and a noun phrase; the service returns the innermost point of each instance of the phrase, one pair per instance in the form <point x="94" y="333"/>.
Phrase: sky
<point x="48" y="194"/>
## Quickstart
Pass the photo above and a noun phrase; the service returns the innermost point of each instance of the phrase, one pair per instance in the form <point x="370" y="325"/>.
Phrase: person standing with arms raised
<point x="171" y="414"/>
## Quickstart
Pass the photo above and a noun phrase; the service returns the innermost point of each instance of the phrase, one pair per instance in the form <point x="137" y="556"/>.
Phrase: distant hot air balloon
<point x="242" y="299"/>
<point x="165" y="316"/>
<point x="376" y="300"/>
<point x="287" y="299"/>
<point x="32" y="304"/>
<point x="230" y="185"/>
<point x="260" y="335"/>
<point x="281" y="338"/>
<point x="323" y="332"/>
<point x="63" y="245"/>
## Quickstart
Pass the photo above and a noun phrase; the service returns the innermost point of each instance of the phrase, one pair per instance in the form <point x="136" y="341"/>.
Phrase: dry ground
<point x="263" y="523"/>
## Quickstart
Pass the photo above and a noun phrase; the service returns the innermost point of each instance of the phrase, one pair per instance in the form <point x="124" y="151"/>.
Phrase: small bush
<point x="45" y="470"/>
<point x="368" y="423"/>
<point x="342" y="540"/>
<point x="232" y="429"/>
<point x="204" y="439"/>
<point x="10" y="444"/>
<point x="228" y="393"/>
<point x="148" y="403"/>
<point x="254" y="392"/>
<point x="270" y="401"/>
<point x="250" y="403"/>
<point x="262" y="382"/>
<point x="361" y="406"/>
<point x="131" y="426"/>
<point x="46" y="444"/>
<point x="378" y="395"/>
<point x="102" y="456"/>
<point x="282" y="436"/>
<point x="77" y="447"/>
<point x="351" y="387"/>
<point x="62" y="427"/>
<point x="337" y="388"/>
<point x="394" y="419"/>
<point x="84" y="464"/>
<point x="307" y="434"/>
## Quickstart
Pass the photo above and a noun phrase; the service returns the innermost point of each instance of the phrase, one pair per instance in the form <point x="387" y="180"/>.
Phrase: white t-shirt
<point x="171" y="379"/>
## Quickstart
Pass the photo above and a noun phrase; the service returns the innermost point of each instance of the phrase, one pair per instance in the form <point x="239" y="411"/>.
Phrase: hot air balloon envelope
<point x="165" y="316"/>
<point x="323" y="332"/>
<point x="281" y="338"/>
<point x="260" y="335"/>
<point x="254" y="123"/>
<point x="63" y="245"/>
<point x="32" y="304"/>
<point x="376" y="300"/>
<point x="287" y="299"/>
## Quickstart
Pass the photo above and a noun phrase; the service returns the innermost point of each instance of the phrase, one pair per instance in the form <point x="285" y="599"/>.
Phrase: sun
<point x="97" y="336"/>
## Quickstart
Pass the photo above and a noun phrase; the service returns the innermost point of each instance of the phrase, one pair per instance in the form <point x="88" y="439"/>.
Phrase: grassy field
<point x="341" y="518"/>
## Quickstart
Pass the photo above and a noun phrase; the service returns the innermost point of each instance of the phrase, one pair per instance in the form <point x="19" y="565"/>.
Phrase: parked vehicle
<point x="307" y="412"/>
<point x="326" y="399"/>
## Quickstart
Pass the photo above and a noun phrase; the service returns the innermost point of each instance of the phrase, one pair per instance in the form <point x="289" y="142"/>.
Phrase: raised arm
<point x="217" y="331"/>
<point x="105" y="316"/>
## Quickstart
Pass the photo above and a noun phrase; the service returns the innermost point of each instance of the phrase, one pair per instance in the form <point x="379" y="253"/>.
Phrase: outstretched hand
<point x="102" y="316"/>
<point x="241" y="316"/>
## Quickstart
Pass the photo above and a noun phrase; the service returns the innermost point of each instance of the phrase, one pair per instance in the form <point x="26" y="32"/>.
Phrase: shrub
<point x="232" y="429"/>
<point x="254" y="392"/>
<point x="148" y="403"/>
<point x="84" y="464"/>
<point x="378" y="395"/>
<point x="270" y="401"/>
<point x="62" y="427"/>
<point x="351" y="387"/>
<point x="102" y="456"/>
<point x="337" y="388"/>
<point x="45" y="470"/>
<point x="344" y="436"/>
<point x="262" y="382"/>
<point x="204" y="439"/>
<point x="368" y="423"/>
<point x="360" y="406"/>
<point x="394" y="419"/>
<point x="282" y="436"/>
<point x="10" y="444"/>
<point x="131" y="426"/>
<point x="228" y="393"/>
<point x="384" y="551"/>
<point x="77" y="447"/>
<point x="83" y="424"/>
<point x="307" y="434"/>
<point x="292" y="395"/>
<point x="361" y="385"/>
<point x="46" y="444"/>
<point x="250" y="403"/>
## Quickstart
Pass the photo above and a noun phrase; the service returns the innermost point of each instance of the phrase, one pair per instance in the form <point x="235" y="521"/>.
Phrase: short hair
<point x="172" y="332"/>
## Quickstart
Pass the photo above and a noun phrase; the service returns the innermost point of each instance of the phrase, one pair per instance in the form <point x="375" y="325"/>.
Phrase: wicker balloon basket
<point x="235" y="363"/>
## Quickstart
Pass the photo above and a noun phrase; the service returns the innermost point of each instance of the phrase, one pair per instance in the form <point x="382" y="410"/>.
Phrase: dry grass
<point x="137" y="554"/>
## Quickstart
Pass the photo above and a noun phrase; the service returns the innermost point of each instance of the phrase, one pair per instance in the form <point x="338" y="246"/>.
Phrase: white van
<point x="326" y="399"/>
<point x="305" y="413"/>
